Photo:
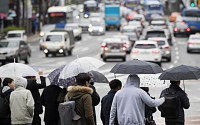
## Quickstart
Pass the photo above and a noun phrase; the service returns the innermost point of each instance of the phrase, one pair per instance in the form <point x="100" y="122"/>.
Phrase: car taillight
<point x="127" y="43"/>
<point x="191" y="43"/>
<point x="129" y="16"/>
<point x="106" y="49"/>
<point x="188" y="29"/>
<point x="155" y="51"/>
<point x="103" y="46"/>
<point x="176" y="29"/>
<point x="166" y="47"/>
<point x="124" y="49"/>
<point x="135" y="51"/>
<point x="141" y="23"/>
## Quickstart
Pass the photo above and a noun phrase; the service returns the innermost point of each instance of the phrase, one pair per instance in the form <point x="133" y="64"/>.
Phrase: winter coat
<point x="21" y="103"/>
<point x="83" y="101"/>
<point x="106" y="103"/>
<point x="49" y="101"/>
<point x="184" y="102"/>
<point x="129" y="103"/>
<point x="5" y="109"/>
<point x="33" y="86"/>
<point x="95" y="101"/>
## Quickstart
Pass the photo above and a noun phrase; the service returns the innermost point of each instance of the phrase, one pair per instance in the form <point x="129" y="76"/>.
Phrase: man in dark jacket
<point x="34" y="87"/>
<point x="49" y="101"/>
<point x="95" y="100"/>
<point x="106" y="101"/>
<point x="184" y="103"/>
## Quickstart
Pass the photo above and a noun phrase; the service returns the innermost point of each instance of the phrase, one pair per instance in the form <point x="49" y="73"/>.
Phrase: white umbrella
<point x="17" y="69"/>
<point x="151" y="80"/>
<point x="80" y="65"/>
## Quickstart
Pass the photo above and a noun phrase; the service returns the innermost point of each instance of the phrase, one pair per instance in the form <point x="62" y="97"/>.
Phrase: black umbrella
<point x="98" y="77"/>
<point x="182" y="72"/>
<point x="136" y="67"/>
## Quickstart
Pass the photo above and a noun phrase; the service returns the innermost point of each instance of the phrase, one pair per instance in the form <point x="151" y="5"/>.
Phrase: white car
<point x="146" y="50"/>
<point x="164" y="47"/>
<point x="76" y="30"/>
<point x="193" y="44"/>
<point x="96" y="28"/>
<point x="16" y="35"/>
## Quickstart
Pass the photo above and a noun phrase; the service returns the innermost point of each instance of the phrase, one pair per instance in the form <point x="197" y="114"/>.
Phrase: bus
<point x="191" y="17"/>
<point x="90" y="7"/>
<point x="60" y="15"/>
<point x="131" y="4"/>
<point x="153" y="8"/>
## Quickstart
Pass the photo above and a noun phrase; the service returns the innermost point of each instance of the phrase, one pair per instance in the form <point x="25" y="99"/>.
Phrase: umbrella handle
<point x="115" y="76"/>
<point x="184" y="85"/>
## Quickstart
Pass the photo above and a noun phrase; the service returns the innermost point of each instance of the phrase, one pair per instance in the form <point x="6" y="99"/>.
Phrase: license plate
<point x="2" y="57"/>
<point x="111" y="27"/>
<point x="115" y="51"/>
<point x="192" y="26"/>
<point x="182" y="30"/>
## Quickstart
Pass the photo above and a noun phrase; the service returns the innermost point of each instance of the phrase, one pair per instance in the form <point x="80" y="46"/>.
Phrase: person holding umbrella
<point x="81" y="94"/>
<point x="183" y="103"/>
<point x="129" y="103"/>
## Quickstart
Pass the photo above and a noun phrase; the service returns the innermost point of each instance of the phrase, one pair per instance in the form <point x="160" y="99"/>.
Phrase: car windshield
<point x="9" y="44"/>
<point x="158" y="22"/>
<point x="47" y="28"/>
<point x="145" y="46"/>
<point x="114" y="45"/>
<point x="195" y="38"/>
<point x="160" y="42"/>
<point x="155" y="34"/>
<point x="54" y="38"/>
<point x="112" y="17"/>
<point x="181" y="26"/>
<point x="14" y="35"/>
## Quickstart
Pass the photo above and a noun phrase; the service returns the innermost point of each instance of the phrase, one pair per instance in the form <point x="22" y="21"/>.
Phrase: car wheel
<point x="80" y="38"/>
<point x="18" y="59"/>
<point x="188" y="51"/>
<point x="46" y="54"/>
<point x="70" y="52"/>
<point x="3" y="62"/>
<point x="104" y="59"/>
<point x="169" y="59"/>
<point x="124" y="59"/>
<point x="27" y="60"/>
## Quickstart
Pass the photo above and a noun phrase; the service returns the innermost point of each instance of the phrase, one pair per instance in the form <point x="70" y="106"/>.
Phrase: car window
<point x="158" y="22"/>
<point x="145" y="46"/>
<point x="155" y="34"/>
<point x="9" y="44"/>
<point x="54" y="38"/>
<point x="160" y="42"/>
<point x="181" y="26"/>
<point x="14" y="35"/>
<point x="114" y="45"/>
<point x="23" y="43"/>
<point x="195" y="38"/>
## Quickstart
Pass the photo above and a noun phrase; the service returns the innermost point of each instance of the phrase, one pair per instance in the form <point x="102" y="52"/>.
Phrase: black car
<point x="12" y="49"/>
<point x="182" y="29"/>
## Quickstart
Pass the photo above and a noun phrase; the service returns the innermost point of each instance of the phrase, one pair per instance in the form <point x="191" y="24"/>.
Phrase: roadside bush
<point x="9" y="28"/>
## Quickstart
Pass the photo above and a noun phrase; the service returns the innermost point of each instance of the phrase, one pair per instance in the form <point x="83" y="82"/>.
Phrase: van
<point x="16" y="35"/>
<point x="57" y="43"/>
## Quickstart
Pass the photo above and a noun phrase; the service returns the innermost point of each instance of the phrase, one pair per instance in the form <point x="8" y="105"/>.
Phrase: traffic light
<point x="192" y="3"/>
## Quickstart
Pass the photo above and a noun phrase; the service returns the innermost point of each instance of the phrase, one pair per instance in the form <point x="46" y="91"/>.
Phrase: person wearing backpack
<point x="5" y="115"/>
<point x="182" y="103"/>
<point x="81" y="94"/>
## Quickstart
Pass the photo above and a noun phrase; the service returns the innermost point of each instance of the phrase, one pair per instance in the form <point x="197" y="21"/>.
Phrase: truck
<point x="112" y="17"/>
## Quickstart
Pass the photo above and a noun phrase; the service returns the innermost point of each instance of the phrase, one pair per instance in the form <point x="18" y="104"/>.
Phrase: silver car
<point x="113" y="48"/>
<point x="164" y="47"/>
<point x="125" y="40"/>
<point x="193" y="44"/>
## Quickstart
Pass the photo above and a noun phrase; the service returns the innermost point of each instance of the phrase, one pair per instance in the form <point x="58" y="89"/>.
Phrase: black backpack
<point x="170" y="108"/>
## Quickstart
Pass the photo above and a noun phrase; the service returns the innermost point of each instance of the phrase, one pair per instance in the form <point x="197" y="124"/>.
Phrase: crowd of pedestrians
<point x="21" y="103"/>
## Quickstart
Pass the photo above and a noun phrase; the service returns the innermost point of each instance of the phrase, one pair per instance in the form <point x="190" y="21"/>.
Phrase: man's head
<point x="83" y="79"/>
<point x="8" y="82"/>
<point x="115" y="84"/>
<point x="175" y="82"/>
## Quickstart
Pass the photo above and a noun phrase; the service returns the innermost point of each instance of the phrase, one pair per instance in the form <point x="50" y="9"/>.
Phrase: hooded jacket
<point x="83" y="101"/>
<point x="129" y="103"/>
<point x="21" y="103"/>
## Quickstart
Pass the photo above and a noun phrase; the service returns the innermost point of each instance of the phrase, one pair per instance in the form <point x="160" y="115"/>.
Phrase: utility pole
<point x="40" y="12"/>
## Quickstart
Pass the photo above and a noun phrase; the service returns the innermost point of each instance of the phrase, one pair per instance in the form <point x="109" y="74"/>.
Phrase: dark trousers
<point x="174" y="123"/>
<point x="36" y="120"/>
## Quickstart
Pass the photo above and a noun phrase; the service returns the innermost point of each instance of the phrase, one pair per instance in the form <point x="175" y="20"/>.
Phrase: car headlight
<point x="101" y="30"/>
<point x="90" y="29"/>
<point x="81" y="10"/>
<point x="77" y="17"/>
<point x="86" y="16"/>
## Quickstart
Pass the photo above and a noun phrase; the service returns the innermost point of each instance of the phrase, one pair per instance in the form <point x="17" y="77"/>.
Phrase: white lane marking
<point x="84" y="49"/>
<point x="175" y="62"/>
<point x="176" y="48"/>
<point x="171" y="66"/>
<point x="177" y="57"/>
<point x="177" y="52"/>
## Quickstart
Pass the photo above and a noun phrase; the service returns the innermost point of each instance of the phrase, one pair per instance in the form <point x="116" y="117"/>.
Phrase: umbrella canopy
<point x="2" y="15"/>
<point x="98" y="77"/>
<point x="182" y="72"/>
<point x="17" y="69"/>
<point x="136" y="67"/>
<point x="80" y="65"/>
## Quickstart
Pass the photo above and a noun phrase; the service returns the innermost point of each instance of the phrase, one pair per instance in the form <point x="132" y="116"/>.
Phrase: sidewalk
<point x="33" y="37"/>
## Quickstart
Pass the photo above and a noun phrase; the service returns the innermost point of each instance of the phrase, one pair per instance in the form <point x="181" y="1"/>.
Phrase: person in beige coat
<point x="81" y="94"/>
<point x="21" y="103"/>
